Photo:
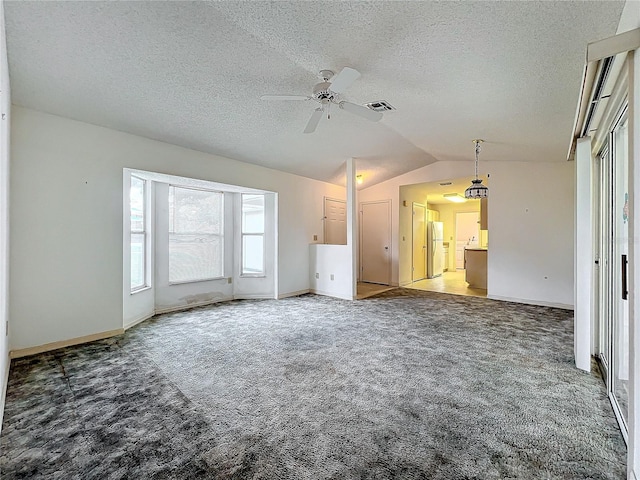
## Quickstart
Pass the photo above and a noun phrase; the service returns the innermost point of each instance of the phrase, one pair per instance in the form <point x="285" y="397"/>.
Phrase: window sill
<point x="141" y="289"/>
<point x="250" y="275"/>
<point x="197" y="281"/>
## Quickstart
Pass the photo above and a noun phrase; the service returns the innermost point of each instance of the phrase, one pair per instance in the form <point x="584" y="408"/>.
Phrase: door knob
<point x="386" y="248"/>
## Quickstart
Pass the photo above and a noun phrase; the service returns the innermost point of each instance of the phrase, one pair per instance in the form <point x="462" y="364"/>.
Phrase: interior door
<point x="335" y="221"/>
<point x="419" y="243"/>
<point x="375" y="242"/>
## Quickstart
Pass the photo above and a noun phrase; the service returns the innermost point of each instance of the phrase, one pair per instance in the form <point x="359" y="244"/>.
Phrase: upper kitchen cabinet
<point x="484" y="214"/>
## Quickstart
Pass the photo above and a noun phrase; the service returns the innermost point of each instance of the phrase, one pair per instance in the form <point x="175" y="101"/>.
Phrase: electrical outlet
<point x="317" y="275"/>
<point x="229" y="280"/>
<point x="332" y="277"/>
<point x="315" y="238"/>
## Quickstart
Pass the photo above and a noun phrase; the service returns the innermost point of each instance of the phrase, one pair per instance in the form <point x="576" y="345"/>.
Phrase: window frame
<point x="221" y="235"/>
<point x="262" y="273"/>
<point x="145" y="236"/>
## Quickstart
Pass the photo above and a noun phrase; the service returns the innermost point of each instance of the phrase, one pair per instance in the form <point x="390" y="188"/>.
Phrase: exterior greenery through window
<point x="138" y="209"/>
<point x="252" y="234"/>
<point x="196" y="235"/>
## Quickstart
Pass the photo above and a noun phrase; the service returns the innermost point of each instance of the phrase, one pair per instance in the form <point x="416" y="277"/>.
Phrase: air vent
<point x="380" y="106"/>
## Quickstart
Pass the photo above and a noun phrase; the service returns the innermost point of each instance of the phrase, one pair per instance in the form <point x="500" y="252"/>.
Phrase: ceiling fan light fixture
<point x="477" y="190"/>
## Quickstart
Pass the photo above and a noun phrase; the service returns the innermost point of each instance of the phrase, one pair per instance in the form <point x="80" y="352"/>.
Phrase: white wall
<point x="67" y="220"/>
<point x="328" y="260"/>
<point x="530" y="257"/>
<point x="531" y="225"/>
<point x="5" y="107"/>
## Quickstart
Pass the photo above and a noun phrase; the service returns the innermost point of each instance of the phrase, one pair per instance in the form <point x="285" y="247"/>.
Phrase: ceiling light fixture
<point x="359" y="179"/>
<point x="454" y="197"/>
<point x="477" y="190"/>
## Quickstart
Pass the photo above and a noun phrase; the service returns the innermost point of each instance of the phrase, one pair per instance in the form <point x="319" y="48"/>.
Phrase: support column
<point x="352" y="224"/>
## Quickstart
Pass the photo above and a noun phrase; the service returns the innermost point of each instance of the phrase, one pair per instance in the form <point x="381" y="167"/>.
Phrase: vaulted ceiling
<point x="192" y="73"/>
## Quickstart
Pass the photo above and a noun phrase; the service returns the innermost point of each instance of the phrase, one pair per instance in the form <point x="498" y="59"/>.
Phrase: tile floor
<point x="449" y="282"/>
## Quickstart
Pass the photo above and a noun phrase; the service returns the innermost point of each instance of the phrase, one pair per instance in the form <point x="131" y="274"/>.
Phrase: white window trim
<point x="145" y="224"/>
<point x="263" y="273"/>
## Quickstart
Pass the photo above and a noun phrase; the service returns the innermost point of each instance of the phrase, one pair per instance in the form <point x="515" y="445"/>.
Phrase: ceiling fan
<point x="326" y="93"/>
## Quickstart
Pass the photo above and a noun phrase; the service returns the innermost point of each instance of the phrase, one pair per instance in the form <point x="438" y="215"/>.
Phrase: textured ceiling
<point x="192" y="74"/>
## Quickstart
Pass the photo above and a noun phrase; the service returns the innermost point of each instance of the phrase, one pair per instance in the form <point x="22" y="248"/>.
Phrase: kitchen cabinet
<point x="484" y="214"/>
<point x="475" y="264"/>
<point x="433" y="216"/>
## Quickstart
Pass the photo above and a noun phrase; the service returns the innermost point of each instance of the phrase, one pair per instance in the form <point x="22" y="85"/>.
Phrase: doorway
<point x="375" y="242"/>
<point x="419" y="243"/>
<point x="467" y="234"/>
<point x="335" y="221"/>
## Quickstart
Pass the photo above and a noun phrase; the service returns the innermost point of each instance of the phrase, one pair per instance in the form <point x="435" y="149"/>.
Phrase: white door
<point x="419" y="243"/>
<point x="467" y="234"/>
<point x="335" y="221"/>
<point x="375" y="242"/>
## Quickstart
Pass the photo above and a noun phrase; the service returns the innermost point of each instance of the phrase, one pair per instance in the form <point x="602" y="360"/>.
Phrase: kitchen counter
<point x="476" y="248"/>
<point x="475" y="264"/>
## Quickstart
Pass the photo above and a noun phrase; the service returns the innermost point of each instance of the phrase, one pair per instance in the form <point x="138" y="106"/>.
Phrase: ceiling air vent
<point x="380" y="106"/>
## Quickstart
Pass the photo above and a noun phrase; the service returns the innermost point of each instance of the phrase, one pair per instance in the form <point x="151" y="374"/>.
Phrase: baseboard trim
<point x="187" y="306"/>
<point x="564" y="306"/>
<point x="329" y="294"/>
<point x="141" y="319"/>
<point x="5" y="383"/>
<point x="47" y="347"/>
<point x="253" y="297"/>
<point x="293" y="294"/>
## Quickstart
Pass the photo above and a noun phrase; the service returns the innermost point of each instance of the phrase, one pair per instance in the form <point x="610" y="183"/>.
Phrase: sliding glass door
<point x="611" y="245"/>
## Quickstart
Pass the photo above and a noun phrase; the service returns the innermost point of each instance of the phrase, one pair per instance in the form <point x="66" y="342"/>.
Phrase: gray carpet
<point x="406" y="384"/>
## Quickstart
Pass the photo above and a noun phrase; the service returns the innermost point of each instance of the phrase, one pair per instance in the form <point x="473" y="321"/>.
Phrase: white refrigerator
<point x="435" y="249"/>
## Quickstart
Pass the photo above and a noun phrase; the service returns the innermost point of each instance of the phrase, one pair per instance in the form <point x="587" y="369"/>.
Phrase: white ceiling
<point x="192" y="73"/>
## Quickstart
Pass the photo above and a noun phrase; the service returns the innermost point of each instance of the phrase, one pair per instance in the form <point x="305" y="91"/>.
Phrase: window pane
<point x="252" y="254"/>
<point x="252" y="213"/>
<point x="136" y="201"/>
<point x="137" y="260"/>
<point x="195" y="257"/>
<point x="195" y="211"/>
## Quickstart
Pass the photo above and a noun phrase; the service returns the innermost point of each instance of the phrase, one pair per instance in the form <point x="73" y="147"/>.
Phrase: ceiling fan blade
<point x="361" y="111"/>
<point x="284" y="97"/>
<point x="344" y="79"/>
<point x="314" y="120"/>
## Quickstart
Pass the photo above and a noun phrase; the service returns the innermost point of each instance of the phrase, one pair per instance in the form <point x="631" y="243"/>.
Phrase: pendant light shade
<point x="477" y="189"/>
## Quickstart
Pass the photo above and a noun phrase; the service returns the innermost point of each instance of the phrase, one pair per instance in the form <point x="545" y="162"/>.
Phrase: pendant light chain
<point x="477" y="153"/>
<point x="477" y="190"/>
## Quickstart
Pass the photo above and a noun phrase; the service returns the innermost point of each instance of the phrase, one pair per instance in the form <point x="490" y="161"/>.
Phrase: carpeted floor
<point x="406" y="384"/>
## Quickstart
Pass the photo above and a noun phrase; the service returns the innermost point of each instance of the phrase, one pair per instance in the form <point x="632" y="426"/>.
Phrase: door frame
<point x="424" y="240"/>
<point x="389" y="237"/>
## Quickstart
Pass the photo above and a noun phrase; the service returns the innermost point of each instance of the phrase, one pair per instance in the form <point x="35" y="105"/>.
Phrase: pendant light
<point x="477" y="190"/>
